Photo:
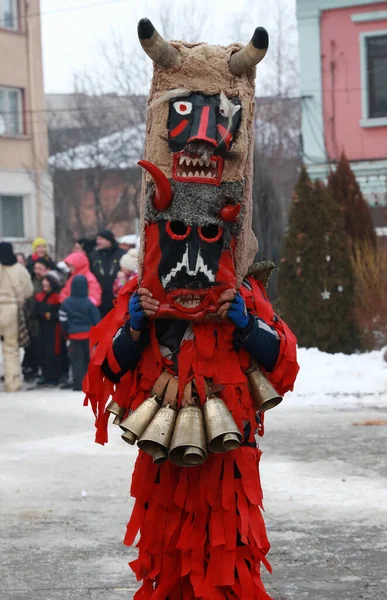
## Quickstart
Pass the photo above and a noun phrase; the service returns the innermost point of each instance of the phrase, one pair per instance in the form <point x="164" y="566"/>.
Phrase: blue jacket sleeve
<point x="126" y="352"/>
<point x="260" y="340"/>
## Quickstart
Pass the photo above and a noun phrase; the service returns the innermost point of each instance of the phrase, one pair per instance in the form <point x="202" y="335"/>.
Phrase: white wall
<point x="22" y="183"/>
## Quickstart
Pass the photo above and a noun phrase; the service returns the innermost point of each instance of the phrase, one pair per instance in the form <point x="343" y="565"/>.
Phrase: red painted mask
<point x="187" y="268"/>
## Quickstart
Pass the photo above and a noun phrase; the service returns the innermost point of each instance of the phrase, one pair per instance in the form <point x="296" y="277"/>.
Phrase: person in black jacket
<point x="77" y="316"/>
<point x="105" y="264"/>
<point x="49" y="336"/>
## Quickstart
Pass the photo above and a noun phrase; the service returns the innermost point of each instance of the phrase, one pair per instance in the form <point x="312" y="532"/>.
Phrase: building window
<point x="377" y="76"/>
<point x="9" y="14"/>
<point x="11" y="217"/>
<point x="11" y="111"/>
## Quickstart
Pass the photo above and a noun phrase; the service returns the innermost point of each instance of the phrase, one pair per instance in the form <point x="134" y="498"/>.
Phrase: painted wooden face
<point x="196" y="122"/>
<point x="187" y="268"/>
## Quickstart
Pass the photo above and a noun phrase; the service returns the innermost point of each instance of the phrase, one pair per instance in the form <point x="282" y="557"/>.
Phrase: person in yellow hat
<point x="39" y="250"/>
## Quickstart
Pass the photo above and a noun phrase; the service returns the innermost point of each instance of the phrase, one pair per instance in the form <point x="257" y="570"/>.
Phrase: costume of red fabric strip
<point x="196" y="542"/>
<point x="202" y="534"/>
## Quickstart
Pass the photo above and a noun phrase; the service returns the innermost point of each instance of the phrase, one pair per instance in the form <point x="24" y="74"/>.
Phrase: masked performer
<point x="193" y="347"/>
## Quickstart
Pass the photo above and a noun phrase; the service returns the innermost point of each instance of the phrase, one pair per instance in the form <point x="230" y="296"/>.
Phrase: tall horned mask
<point x="196" y="206"/>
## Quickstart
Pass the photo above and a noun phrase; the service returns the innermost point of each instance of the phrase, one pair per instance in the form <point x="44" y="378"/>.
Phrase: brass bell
<point x="160" y="456"/>
<point x="136" y="423"/>
<point x="222" y="431"/>
<point x="157" y="436"/>
<point x="189" y="446"/>
<point x="264" y="395"/>
<point x="117" y="410"/>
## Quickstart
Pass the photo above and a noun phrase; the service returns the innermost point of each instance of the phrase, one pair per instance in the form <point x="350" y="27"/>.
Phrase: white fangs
<point x="209" y="171"/>
<point x="200" y="267"/>
<point x="205" y="161"/>
<point x="188" y="301"/>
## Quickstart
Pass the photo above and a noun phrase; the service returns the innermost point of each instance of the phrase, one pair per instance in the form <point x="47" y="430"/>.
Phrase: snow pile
<point x="348" y="379"/>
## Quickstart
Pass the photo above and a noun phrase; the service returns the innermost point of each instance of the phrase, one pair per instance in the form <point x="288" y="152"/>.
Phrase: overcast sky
<point x="73" y="30"/>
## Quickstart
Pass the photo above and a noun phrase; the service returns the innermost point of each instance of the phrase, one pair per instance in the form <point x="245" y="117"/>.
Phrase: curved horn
<point x="251" y="54"/>
<point x="230" y="213"/>
<point x="155" y="46"/>
<point x="163" y="195"/>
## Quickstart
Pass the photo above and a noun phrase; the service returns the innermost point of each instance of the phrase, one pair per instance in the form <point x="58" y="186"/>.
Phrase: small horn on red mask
<point x="230" y="212"/>
<point x="163" y="195"/>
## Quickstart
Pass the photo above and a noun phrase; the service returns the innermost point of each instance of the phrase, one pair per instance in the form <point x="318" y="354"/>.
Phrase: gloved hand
<point x="233" y="306"/>
<point x="136" y="313"/>
<point x="238" y="312"/>
<point x="141" y="306"/>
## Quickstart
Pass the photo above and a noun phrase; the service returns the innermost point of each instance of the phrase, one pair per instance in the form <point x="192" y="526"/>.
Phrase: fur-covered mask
<point x="196" y="208"/>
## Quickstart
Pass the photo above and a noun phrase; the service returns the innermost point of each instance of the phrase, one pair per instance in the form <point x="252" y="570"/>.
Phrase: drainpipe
<point x="34" y="132"/>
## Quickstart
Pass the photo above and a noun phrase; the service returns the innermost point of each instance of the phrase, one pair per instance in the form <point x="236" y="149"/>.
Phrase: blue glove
<point x="136" y="314"/>
<point x="238" y="312"/>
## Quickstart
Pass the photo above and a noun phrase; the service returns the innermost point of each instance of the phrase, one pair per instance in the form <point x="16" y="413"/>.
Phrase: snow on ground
<point x="358" y="379"/>
<point x="64" y="500"/>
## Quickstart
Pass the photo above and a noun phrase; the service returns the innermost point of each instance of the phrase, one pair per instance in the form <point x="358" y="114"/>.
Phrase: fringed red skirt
<point x="202" y="534"/>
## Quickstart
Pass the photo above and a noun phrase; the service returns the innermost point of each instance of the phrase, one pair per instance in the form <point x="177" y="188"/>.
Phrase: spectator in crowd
<point x="47" y="304"/>
<point x="40" y="268"/>
<point x="128" y="264"/>
<point x="39" y="250"/>
<point x="30" y="364"/>
<point x="105" y="264"/>
<point x="79" y="265"/>
<point x="15" y="288"/>
<point x="77" y="316"/>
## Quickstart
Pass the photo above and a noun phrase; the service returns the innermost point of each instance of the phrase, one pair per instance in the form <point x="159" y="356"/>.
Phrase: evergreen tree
<point x="357" y="214"/>
<point x="267" y="217"/>
<point x="315" y="281"/>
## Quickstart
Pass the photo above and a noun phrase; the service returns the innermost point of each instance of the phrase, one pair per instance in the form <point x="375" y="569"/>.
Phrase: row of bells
<point x="185" y="436"/>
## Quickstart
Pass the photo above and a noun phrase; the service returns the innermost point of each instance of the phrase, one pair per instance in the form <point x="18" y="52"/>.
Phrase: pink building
<point x="343" y="53"/>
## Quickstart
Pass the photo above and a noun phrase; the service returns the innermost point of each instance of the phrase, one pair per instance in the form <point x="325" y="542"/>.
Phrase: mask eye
<point x="178" y="230"/>
<point x="182" y="107"/>
<point x="210" y="233"/>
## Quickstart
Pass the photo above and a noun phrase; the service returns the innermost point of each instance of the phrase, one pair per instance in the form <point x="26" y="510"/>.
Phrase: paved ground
<point x="64" y="503"/>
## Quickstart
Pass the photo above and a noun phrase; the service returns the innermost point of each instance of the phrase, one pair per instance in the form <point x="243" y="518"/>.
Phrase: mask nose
<point x="193" y="248"/>
<point x="204" y="125"/>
